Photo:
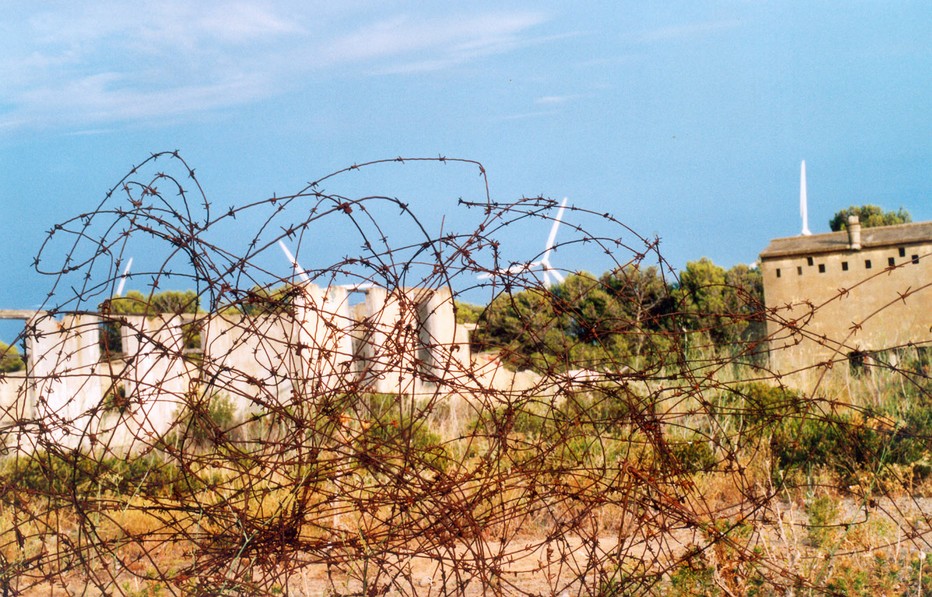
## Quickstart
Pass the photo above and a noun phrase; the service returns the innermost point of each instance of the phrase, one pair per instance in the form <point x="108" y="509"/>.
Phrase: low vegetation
<point x="10" y="359"/>
<point x="748" y="487"/>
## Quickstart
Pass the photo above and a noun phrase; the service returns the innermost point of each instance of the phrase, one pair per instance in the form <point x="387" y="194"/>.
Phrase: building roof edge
<point x="831" y="242"/>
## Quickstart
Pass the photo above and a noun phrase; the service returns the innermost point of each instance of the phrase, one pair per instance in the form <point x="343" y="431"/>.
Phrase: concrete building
<point x="841" y="298"/>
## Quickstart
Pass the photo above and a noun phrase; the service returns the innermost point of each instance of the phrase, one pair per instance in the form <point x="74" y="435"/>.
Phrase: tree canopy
<point x="136" y="303"/>
<point x="869" y="216"/>
<point x="631" y="313"/>
<point x="10" y="359"/>
<point x="167" y="301"/>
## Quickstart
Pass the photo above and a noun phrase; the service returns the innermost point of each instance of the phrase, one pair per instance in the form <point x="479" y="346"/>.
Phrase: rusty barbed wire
<point x="248" y="432"/>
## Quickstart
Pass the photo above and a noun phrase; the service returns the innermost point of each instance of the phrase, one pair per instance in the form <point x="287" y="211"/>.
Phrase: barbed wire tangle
<point x="419" y="412"/>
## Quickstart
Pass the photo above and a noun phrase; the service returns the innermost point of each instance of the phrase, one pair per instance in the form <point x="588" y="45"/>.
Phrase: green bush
<point x="854" y="444"/>
<point x="834" y="442"/>
<point x="394" y="431"/>
<point x="65" y="475"/>
<point x="207" y="423"/>
<point x="822" y="512"/>
<point x="10" y="359"/>
<point x="694" y="455"/>
<point x="758" y="404"/>
<point x="116" y="400"/>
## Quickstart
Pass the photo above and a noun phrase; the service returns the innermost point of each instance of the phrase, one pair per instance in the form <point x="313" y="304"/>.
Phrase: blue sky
<point x="686" y="120"/>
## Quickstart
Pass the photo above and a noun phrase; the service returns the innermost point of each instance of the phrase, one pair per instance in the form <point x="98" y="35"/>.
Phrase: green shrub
<point x="10" y="359"/>
<point x="208" y="423"/>
<point x="65" y="475"/>
<point x="835" y="442"/>
<point x="693" y="576"/>
<point x="694" y="455"/>
<point x="822" y="512"/>
<point x="854" y="444"/>
<point x="759" y="405"/>
<point x="394" y="432"/>
<point x="115" y="400"/>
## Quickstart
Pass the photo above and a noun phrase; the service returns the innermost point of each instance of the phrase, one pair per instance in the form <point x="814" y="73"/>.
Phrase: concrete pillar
<point x="247" y="358"/>
<point x="389" y="341"/>
<point x="336" y="354"/>
<point x="854" y="233"/>
<point x="322" y="339"/>
<point x="306" y="336"/>
<point x="156" y="379"/>
<point x="63" y="382"/>
<point x="437" y="333"/>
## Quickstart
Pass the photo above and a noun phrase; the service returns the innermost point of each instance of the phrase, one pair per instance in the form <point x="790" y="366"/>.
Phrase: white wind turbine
<point x="303" y="273"/>
<point x="803" y="200"/>
<point x="551" y="275"/>
<point x="294" y="261"/>
<point x="549" y="271"/>
<point x="122" y="284"/>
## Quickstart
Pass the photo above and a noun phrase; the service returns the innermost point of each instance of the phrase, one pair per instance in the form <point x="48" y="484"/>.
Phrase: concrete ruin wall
<point x="63" y="377"/>
<point x="247" y="358"/>
<point x="398" y="342"/>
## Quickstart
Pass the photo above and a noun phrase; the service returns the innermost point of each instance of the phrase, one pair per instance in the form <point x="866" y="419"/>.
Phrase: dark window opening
<point x="859" y="361"/>
<point x="915" y="259"/>
<point x="922" y="364"/>
<point x="111" y="340"/>
<point x="902" y="252"/>
<point x="808" y="260"/>
<point x="191" y="335"/>
<point x="821" y="268"/>
<point x="844" y="266"/>
<point x="867" y="264"/>
<point x="799" y="271"/>
<point x="778" y="272"/>
<point x="891" y="261"/>
<point x="116" y="400"/>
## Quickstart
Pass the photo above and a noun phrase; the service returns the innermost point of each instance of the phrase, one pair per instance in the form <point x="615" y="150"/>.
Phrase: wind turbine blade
<point x="556" y="225"/>
<point x="122" y="284"/>
<point x="551" y="239"/>
<point x="294" y="262"/>
<point x="549" y="271"/>
<point x="357" y="287"/>
<point x="803" y="199"/>
<point x="514" y="269"/>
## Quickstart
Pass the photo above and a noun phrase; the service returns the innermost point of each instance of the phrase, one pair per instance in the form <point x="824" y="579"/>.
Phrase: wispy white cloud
<point x="404" y="44"/>
<point x="87" y="66"/>
<point x="527" y="115"/>
<point x="107" y="97"/>
<point x="111" y="62"/>
<point x="688" y="31"/>
<point x="552" y="100"/>
<point x="549" y="106"/>
<point x="245" y="22"/>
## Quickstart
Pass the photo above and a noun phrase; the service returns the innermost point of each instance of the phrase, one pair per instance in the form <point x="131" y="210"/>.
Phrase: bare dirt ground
<point x="784" y="536"/>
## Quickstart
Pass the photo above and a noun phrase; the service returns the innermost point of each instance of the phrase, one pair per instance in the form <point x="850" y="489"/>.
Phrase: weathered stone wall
<point x="322" y="340"/>
<point x="827" y="306"/>
<point x="12" y="407"/>
<point x="155" y="379"/>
